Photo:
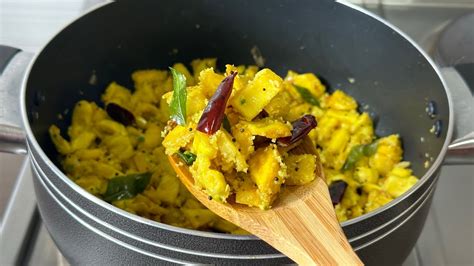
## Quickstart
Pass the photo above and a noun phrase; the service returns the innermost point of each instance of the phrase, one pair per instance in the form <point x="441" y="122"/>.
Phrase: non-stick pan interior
<point x="346" y="48"/>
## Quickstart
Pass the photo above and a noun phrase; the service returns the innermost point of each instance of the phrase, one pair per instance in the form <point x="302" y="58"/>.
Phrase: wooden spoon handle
<point x="302" y="225"/>
<point x="308" y="232"/>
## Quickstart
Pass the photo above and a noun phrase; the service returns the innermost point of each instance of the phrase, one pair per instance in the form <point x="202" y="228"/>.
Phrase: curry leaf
<point x="178" y="101"/>
<point x="307" y="95"/>
<point x="187" y="156"/>
<point x="357" y="152"/>
<point x="355" y="155"/>
<point x="370" y="149"/>
<point x="126" y="187"/>
<point x="226" y="124"/>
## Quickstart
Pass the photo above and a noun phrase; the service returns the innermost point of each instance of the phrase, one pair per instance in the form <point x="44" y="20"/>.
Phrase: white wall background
<point x="29" y="24"/>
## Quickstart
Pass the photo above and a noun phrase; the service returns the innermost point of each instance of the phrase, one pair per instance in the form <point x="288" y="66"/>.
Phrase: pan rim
<point x="35" y="145"/>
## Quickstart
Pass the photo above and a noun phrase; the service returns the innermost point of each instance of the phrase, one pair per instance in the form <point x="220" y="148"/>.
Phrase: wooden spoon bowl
<point x="301" y="224"/>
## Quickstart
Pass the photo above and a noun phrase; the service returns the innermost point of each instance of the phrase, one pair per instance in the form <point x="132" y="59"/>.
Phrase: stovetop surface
<point x="447" y="238"/>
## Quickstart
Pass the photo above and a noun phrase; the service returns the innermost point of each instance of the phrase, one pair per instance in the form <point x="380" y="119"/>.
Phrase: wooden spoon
<point x="301" y="224"/>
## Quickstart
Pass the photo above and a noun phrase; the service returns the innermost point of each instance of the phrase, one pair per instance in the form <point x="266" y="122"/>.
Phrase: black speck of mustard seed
<point x="240" y="150"/>
<point x="296" y="169"/>
<point x="242" y="130"/>
<point x="276" y="179"/>
<point x="190" y="129"/>
<point x="242" y="101"/>
<point x="234" y="140"/>
<point x="209" y="197"/>
<point x="264" y="89"/>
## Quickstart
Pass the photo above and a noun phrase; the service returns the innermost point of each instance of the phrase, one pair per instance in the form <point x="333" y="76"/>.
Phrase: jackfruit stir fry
<point x="249" y="156"/>
<point x="117" y="150"/>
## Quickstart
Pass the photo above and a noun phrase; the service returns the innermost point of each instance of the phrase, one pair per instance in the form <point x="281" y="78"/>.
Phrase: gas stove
<point x="448" y="235"/>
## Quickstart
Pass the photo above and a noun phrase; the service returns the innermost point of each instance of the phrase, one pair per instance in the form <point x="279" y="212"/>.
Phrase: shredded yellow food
<point x="100" y="150"/>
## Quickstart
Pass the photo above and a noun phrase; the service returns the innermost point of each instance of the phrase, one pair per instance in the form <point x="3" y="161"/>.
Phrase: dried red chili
<point x="301" y="128"/>
<point x="336" y="191"/>
<point x="211" y="119"/>
<point x="120" y="114"/>
<point x="261" y="115"/>
<point x="260" y="141"/>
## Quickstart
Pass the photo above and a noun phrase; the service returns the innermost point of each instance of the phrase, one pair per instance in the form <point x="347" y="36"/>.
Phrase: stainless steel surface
<point x="456" y="42"/>
<point x="43" y="245"/>
<point x="18" y="219"/>
<point x="414" y="3"/>
<point x="9" y="168"/>
<point x="453" y="200"/>
<point x="12" y="137"/>
<point x="422" y="23"/>
<point x="463" y="136"/>
<point x="448" y="238"/>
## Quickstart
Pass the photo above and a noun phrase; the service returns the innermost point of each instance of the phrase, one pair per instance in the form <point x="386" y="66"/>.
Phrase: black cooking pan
<point x="348" y="48"/>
